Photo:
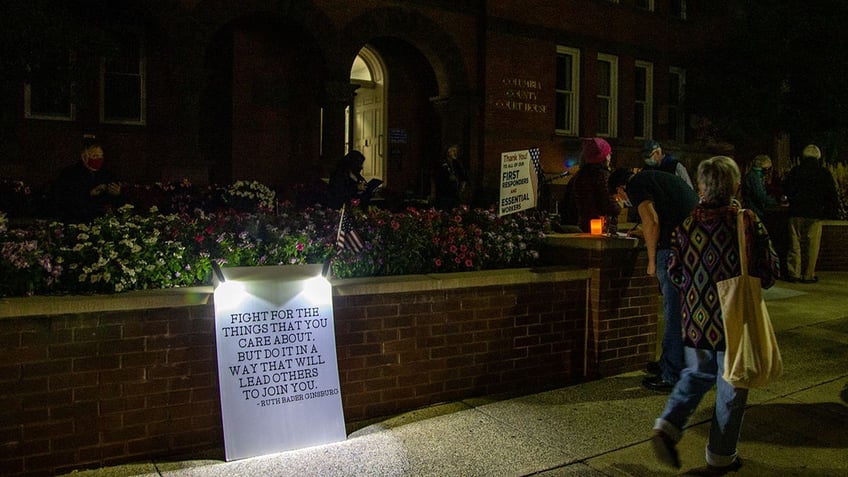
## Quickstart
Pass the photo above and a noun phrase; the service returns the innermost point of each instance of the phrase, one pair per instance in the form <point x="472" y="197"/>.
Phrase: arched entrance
<point x="365" y="121"/>
<point x="391" y="118"/>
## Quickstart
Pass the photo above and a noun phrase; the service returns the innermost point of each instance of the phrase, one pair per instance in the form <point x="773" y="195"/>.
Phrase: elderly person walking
<point x="703" y="252"/>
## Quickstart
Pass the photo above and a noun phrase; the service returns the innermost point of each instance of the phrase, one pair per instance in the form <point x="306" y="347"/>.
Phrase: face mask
<point x="651" y="161"/>
<point x="94" y="163"/>
<point x="93" y="158"/>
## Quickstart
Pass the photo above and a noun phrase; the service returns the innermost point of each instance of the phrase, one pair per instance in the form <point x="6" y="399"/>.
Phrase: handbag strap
<point x="740" y="230"/>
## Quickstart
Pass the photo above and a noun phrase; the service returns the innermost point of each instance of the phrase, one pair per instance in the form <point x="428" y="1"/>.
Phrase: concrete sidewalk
<point x="795" y="427"/>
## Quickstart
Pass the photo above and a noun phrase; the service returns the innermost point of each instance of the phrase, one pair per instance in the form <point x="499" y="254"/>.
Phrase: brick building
<point x="277" y="90"/>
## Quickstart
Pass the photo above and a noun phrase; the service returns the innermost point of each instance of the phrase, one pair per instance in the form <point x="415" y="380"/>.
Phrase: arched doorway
<point x="391" y="118"/>
<point x="365" y="119"/>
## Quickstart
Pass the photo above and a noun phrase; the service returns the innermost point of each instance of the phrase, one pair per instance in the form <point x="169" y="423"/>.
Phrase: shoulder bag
<point x="752" y="358"/>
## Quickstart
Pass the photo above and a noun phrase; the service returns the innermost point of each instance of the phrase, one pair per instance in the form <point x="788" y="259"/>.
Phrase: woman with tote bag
<point x="706" y="251"/>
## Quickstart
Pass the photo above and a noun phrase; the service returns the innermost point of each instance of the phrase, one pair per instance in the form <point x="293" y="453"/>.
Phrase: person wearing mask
<point x="86" y="189"/>
<point x="663" y="201"/>
<point x="754" y="194"/>
<point x="811" y="192"/>
<point x="589" y="186"/>
<point x="710" y="232"/>
<point x="655" y="159"/>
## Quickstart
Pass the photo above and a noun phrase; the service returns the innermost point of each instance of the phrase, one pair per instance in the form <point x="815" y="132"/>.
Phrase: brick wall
<point x="832" y="255"/>
<point x="623" y="302"/>
<point x="103" y="388"/>
<point x="95" y="389"/>
<point x="399" y="352"/>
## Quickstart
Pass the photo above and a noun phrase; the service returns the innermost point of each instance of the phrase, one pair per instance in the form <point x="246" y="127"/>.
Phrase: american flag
<point x="347" y="238"/>
<point x="535" y="154"/>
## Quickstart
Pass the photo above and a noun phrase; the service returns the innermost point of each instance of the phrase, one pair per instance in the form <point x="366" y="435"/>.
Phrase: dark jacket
<point x="811" y="191"/>
<point x="71" y="194"/>
<point x="754" y="193"/>
<point x="450" y="178"/>
<point x="591" y="195"/>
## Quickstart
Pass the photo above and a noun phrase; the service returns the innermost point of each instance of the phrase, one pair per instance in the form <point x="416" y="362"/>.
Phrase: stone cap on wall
<point x="191" y="296"/>
<point x="134" y="300"/>
<point x="444" y="281"/>
<point x="592" y="242"/>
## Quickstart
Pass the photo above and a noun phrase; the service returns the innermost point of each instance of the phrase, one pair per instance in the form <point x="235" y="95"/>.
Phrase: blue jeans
<point x="671" y="357"/>
<point x="704" y="368"/>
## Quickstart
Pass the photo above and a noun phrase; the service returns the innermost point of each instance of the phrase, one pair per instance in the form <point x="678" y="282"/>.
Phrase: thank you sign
<point x="277" y="370"/>
<point x="519" y="181"/>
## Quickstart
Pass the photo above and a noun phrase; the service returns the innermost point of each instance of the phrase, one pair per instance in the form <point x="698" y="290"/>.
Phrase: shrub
<point x="128" y="249"/>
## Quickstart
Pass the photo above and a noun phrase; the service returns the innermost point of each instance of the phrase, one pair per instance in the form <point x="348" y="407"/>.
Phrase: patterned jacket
<point x="704" y="250"/>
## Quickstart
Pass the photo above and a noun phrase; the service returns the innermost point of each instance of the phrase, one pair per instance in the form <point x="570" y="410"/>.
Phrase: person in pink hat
<point x="591" y="196"/>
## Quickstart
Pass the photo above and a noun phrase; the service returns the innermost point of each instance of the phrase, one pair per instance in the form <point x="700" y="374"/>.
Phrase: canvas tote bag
<point x="752" y="358"/>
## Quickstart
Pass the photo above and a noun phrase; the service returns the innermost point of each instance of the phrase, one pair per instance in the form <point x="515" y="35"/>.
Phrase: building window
<point x="48" y="94"/>
<point x="643" y="107"/>
<point x="567" y="90"/>
<point x="678" y="9"/>
<point x="676" y="106"/>
<point x="122" y="84"/>
<point x="645" y="4"/>
<point x="607" y="95"/>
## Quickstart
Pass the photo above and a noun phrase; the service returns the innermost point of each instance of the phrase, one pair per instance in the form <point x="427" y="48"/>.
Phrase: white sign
<point x="518" y="182"/>
<point x="277" y="369"/>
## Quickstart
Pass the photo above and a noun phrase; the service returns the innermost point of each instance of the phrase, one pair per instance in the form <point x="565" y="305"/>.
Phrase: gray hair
<point x="718" y="178"/>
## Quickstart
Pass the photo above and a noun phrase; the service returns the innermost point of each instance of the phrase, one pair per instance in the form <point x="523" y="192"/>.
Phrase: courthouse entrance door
<point x="391" y="118"/>
<point x="366" y="118"/>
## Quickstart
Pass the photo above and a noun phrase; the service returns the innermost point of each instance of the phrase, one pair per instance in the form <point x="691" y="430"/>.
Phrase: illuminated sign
<point x="518" y="182"/>
<point x="277" y="370"/>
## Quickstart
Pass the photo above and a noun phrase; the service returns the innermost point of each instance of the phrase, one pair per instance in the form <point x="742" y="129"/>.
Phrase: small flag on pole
<point x="535" y="154"/>
<point x="347" y="238"/>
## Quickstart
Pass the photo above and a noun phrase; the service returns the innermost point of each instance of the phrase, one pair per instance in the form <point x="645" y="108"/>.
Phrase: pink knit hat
<point x="595" y="150"/>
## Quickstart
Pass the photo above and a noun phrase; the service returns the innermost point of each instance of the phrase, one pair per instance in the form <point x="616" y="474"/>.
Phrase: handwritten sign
<point x="518" y="182"/>
<point x="277" y="370"/>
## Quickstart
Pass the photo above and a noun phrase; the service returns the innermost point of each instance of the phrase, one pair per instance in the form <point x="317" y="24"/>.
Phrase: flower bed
<point x="185" y="229"/>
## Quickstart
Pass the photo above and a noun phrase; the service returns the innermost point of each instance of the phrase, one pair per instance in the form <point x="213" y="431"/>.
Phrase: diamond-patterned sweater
<point x="704" y="250"/>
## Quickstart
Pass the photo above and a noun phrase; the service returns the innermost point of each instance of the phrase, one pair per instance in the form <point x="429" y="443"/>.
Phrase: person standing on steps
<point x="450" y="180"/>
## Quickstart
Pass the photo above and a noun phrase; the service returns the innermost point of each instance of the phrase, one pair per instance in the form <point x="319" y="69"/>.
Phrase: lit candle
<point x="596" y="226"/>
